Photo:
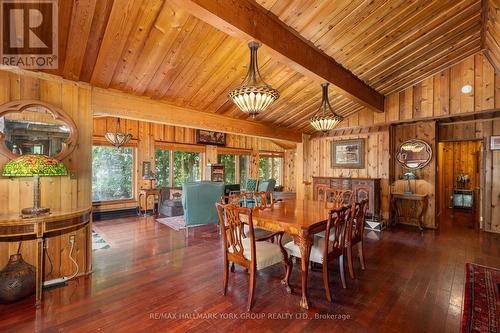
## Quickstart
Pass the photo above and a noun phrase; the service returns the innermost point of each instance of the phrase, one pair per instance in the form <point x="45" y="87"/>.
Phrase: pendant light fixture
<point x="254" y="95"/>
<point x="325" y="119"/>
<point x="118" y="138"/>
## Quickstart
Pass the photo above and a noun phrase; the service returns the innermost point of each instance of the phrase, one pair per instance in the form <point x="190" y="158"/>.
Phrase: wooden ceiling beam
<point x="108" y="102"/>
<point x="247" y="20"/>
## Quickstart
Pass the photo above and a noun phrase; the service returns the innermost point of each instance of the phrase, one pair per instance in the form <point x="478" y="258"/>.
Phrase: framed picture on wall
<point x="495" y="142"/>
<point x="348" y="154"/>
<point x="210" y="138"/>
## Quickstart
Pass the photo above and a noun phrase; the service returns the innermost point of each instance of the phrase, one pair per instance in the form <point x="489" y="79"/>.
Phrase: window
<point x="162" y="167"/>
<point x="229" y="162"/>
<point x="243" y="167"/>
<point x="265" y="167"/>
<point x="277" y="169"/>
<point x="186" y="167"/>
<point x="235" y="168"/>
<point x="112" y="173"/>
<point x="271" y="166"/>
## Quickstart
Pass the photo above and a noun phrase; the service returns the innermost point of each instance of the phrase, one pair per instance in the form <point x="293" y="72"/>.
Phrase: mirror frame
<point x="428" y="149"/>
<point x="19" y="106"/>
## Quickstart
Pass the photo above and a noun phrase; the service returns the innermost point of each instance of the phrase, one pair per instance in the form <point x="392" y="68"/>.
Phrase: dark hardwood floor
<point x="154" y="279"/>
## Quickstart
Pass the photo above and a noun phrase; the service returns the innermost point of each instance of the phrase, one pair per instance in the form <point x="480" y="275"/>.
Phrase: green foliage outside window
<point x="162" y="168"/>
<point x="186" y="167"/>
<point x="277" y="170"/>
<point x="265" y="168"/>
<point x="229" y="163"/>
<point x="243" y="169"/>
<point x="112" y="173"/>
<point x="270" y="167"/>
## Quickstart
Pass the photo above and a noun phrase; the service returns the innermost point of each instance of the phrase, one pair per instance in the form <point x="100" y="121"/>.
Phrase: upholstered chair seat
<point x="266" y="253"/>
<point x="259" y="232"/>
<point x="317" y="249"/>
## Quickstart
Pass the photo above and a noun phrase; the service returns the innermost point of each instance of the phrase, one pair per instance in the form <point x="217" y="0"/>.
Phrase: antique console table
<point x="13" y="228"/>
<point x="409" y="208"/>
<point x="146" y="193"/>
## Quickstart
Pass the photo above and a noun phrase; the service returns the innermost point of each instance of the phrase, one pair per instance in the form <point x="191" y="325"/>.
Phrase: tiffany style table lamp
<point x="34" y="166"/>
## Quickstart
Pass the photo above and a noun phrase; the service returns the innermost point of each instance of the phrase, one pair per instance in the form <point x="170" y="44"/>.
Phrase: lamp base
<point x="32" y="211"/>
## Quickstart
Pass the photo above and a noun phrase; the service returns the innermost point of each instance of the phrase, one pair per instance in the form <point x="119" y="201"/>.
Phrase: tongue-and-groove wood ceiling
<point x="156" y="49"/>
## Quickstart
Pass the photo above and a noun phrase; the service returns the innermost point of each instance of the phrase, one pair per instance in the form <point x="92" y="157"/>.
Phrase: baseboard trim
<point x="114" y="214"/>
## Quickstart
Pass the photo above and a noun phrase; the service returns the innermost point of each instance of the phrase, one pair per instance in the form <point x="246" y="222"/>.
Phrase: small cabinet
<point x="214" y="172"/>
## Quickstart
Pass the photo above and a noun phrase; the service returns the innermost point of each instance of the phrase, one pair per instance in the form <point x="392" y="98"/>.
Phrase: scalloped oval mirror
<point x="35" y="127"/>
<point x="414" y="154"/>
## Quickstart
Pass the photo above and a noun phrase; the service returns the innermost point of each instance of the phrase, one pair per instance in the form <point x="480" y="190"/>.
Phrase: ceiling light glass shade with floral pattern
<point x="325" y="119"/>
<point x="253" y="95"/>
<point x="118" y="138"/>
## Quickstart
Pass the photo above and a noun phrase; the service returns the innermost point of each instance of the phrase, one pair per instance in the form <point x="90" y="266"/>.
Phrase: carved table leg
<point x="288" y="265"/>
<point x="160" y="199"/>
<point x="139" y="207"/>
<point x="305" y="244"/>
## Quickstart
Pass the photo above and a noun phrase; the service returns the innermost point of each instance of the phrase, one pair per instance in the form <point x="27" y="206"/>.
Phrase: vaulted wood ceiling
<point x="156" y="49"/>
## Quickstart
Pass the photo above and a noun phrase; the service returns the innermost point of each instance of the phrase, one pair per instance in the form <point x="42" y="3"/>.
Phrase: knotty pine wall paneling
<point x="439" y="95"/>
<point x="148" y="135"/>
<point x="56" y="192"/>
<point x="377" y="154"/>
<point x="436" y="96"/>
<point x="426" y="177"/>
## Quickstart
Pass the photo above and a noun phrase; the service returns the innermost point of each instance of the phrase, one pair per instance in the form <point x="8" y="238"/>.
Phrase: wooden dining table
<point x="301" y="219"/>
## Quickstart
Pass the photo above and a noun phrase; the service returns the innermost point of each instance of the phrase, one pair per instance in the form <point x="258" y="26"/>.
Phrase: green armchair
<point x="264" y="186"/>
<point x="198" y="201"/>
<point x="267" y="185"/>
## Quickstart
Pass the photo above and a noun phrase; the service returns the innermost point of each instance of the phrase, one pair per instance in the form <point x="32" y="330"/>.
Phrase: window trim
<point x="272" y="155"/>
<point x="134" y="175"/>
<point x="237" y="174"/>
<point x="181" y="148"/>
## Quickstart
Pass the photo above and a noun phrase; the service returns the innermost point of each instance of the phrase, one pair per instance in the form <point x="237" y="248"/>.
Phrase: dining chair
<point x="263" y="199"/>
<point x="326" y="249"/>
<point x="355" y="234"/>
<point x="334" y="198"/>
<point x="320" y="191"/>
<point x="238" y="199"/>
<point x="252" y="253"/>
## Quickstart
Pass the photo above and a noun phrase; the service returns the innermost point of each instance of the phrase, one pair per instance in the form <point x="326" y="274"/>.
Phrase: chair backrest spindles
<point x="359" y="217"/>
<point x="263" y="199"/>
<point x="334" y="198"/>
<point x="320" y="191"/>
<point x="336" y="227"/>
<point x="232" y="228"/>
<point x="237" y="199"/>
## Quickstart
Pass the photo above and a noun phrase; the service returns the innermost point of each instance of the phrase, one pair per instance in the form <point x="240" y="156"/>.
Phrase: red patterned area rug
<point x="481" y="300"/>
<point x="176" y="222"/>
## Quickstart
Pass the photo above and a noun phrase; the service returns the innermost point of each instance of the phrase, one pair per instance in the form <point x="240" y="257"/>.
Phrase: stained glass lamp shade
<point x="254" y="95"/>
<point x="325" y="119"/>
<point x="34" y="166"/>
